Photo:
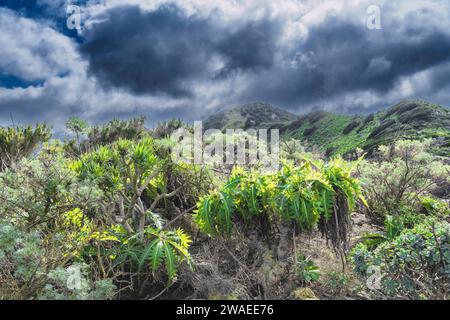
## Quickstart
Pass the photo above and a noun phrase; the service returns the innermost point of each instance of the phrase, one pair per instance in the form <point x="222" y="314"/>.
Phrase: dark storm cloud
<point x="166" y="63"/>
<point x="164" y="51"/>
<point x="146" y="52"/>
<point x="250" y="48"/>
<point x="340" y="57"/>
<point x="441" y="77"/>
<point x="29" y="111"/>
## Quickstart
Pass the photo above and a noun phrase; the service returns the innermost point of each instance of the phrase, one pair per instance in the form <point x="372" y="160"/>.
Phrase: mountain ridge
<point x="333" y="133"/>
<point x="253" y="115"/>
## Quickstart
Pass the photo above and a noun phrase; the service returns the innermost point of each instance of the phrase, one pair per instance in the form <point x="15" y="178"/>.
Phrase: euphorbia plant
<point x="313" y="193"/>
<point x="129" y="173"/>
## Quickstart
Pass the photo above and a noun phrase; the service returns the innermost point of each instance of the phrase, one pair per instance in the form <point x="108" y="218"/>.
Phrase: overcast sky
<point x="189" y="58"/>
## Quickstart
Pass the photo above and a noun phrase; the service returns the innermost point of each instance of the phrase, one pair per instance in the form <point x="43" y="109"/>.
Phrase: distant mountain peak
<point x="251" y="115"/>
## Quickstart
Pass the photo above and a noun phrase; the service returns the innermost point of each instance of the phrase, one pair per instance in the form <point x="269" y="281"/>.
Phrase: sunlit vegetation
<point x="107" y="214"/>
<point x="313" y="193"/>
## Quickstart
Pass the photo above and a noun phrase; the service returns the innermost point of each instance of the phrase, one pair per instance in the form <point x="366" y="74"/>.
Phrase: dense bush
<point x="19" y="142"/>
<point x="415" y="264"/>
<point x="396" y="181"/>
<point x="44" y="232"/>
<point x="104" y="210"/>
<point x="312" y="193"/>
<point x="88" y="138"/>
<point x="34" y="267"/>
<point x="294" y="150"/>
<point x="116" y="129"/>
<point x="436" y="207"/>
<point x="35" y="192"/>
<point x="134" y="188"/>
<point x="166" y="128"/>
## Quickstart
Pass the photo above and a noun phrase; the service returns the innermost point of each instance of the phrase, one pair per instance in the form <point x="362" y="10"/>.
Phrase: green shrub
<point x="307" y="271"/>
<point x="19" y="142"/>
<point x="415" y="263"/>
<point x="34" y="193"/>
<point x="74" y="283"/>
<point x="88" y="138"/>
<point x="393" y="226"/>
<point x="115" y="130"/>
<point x="78" y="127"/>
<point x="337" y="282"/>
<point x="166" y="128"/>
<point x="31" y="267"/>
<point x="131" y="177"/>
<point x="403" y="173"/>
<point x="337" y="279"/>
<point x="313" y="193"/>
<point x="158" y="248"/>
<point x="435" y="207"/>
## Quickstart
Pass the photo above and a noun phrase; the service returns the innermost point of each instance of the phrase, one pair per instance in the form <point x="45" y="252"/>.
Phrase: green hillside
<point x="253" y="115"/>
<point x="341" y="134"/>
<point x="333" y="133"/>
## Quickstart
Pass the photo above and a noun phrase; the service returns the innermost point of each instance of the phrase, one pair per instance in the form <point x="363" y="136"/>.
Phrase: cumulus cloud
<point x="31" y="50"/>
